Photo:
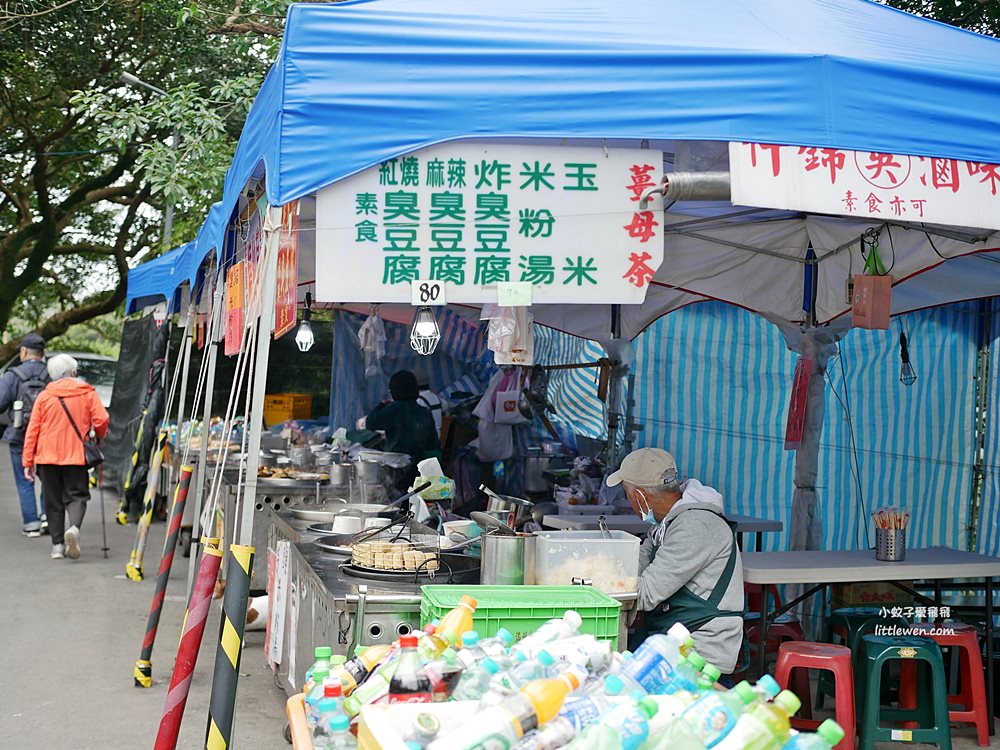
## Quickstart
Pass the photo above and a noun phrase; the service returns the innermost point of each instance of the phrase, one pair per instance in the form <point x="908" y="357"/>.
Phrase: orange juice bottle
<point x="460" y="618"/>
<point x="547" y="696"/>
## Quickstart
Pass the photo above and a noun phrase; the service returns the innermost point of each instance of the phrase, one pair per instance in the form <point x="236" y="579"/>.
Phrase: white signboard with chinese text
<point x="865" y="184"/>
<point x="565" y="220"/>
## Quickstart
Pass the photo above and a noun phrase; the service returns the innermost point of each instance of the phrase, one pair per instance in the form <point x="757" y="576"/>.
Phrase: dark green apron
<point x="691" y="610"/>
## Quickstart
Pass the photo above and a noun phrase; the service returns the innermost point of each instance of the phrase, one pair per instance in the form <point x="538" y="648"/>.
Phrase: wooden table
<point x="634" y="525"/>
<point x="819" y="568"/>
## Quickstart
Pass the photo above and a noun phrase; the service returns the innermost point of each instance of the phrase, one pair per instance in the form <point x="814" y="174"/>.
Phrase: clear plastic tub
<point x="612" y="565"/>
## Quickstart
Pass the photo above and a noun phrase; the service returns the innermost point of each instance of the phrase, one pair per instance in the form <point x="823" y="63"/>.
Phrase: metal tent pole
<point x="222" y="704"/>
<point x="199" y="480"/>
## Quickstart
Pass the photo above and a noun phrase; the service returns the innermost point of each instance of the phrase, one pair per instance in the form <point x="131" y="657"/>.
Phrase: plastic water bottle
<point x="475" y="682"/>
<point x="555" y="734"/>
<point x="765" y="727"/>
<point x="624" y="728"/>
<point x="584" y="711"/>
<point x="507" y="683"/>
<point x="327" y="733"/>
<point x="432" y="642"/>
<point x="827" y="735"/>
<point x="656" y="660"/>
<point x="584" y="650"/>
<point x="499" y="644"/>
<point x="502" y="726"/>
<point x="315" y="695"/>
<point x="670" y="707"/>
<point x="470" y="653"/>
<point x="715" y="713"/>
<point x="688" y="674"/>
<point x="553" y="630"/>
<point x="460" y="618"/>
<point x="322" y="656"/>
<point x="331" y="689"/>
<point x="354" y="671"/>
<point x="340" y="737"/>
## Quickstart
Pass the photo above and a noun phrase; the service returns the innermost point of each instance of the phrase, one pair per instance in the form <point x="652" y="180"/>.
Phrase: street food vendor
<point x="690" y="570"/>
<point x="408" y="426"/>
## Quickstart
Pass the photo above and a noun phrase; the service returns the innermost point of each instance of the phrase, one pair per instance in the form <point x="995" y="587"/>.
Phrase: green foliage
<point x="982" y="17"/>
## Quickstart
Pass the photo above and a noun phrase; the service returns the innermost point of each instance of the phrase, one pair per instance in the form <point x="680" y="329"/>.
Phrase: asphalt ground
<point x="71" y="632"/>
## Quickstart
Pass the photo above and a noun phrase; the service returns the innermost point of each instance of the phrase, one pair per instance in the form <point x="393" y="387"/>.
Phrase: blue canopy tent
<point x="356" y="83"/>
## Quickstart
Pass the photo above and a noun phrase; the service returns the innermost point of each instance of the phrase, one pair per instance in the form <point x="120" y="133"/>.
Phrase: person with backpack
<point x="20" y="386"/>
<point x="65" y="416"/>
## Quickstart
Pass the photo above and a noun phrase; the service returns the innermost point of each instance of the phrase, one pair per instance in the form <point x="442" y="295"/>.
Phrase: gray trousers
<point x="67" y="490"/>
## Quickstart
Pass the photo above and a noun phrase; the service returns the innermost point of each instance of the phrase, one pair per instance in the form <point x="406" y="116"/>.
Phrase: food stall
<point x="498" y="214"/>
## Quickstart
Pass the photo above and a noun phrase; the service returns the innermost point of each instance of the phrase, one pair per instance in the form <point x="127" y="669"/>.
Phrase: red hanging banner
<point x="234" y="308"/>
<point x="288" y="270"/>
<point x="797" y="404"/>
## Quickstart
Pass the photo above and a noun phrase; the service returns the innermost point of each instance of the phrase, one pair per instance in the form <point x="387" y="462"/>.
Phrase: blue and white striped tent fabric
<point x="989" y="512"/>
<point x="713" y="384"/>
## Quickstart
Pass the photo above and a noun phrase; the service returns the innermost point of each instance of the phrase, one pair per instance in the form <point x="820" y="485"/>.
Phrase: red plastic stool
<point x="972" y="689"/>
<point x="795" y="657"/>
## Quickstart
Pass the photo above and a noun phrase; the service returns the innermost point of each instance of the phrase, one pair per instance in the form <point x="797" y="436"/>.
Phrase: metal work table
<point x="635" y="525"/>
<point x="326" y="608"/>
<point x="819" y="568"/>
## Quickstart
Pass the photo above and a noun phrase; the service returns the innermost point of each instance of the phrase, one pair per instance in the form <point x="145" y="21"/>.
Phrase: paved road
<point x="70" y="632"/>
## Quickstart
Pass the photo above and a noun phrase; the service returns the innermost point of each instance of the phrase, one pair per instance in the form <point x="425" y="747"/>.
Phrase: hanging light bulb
<point x="907" y="376"/>
<point x="425" y="334"/>
<point x="304" y="338"/>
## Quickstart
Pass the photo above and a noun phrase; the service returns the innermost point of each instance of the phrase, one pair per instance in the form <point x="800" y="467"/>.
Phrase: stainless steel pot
<point x="535" y="464"/>
<point x="505" y="559"/>
<point x="340" y="474"/>
<point x="516" y="507"/>
<point x="367" y="471"/>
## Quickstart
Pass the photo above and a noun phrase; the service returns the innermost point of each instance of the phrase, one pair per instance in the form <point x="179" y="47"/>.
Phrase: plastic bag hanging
<point x="371" y="337"/>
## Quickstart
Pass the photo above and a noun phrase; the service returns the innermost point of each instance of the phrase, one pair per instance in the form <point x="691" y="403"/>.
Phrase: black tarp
<point x="143" y="342"/>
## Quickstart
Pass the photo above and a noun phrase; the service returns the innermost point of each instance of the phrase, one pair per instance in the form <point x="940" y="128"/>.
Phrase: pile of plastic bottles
<point x="555" y="688"/>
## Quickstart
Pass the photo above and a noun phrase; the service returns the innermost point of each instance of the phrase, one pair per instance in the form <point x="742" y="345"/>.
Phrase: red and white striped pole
<point x="144" y="667"/>
<point x="187" y="652"/>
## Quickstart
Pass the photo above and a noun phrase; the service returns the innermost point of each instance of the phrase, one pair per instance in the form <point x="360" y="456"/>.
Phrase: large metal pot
<point x="516" y="508"/>
<point x="535" y="464"/>
<point x="340" y="474"/>
<point x="505" y="560"/>
<point x="367" y="471"/>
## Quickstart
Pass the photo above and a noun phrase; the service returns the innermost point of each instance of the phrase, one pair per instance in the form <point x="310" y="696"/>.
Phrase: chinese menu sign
<point x="234" y="308"/>
<point x="565" y="220"/>
<point x="250" y="246"/>
<point x="288" y="270"/>
<point x="866" y="184"/>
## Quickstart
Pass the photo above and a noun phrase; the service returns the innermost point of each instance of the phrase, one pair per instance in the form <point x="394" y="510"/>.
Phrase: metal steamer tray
<point x="290" y="484"/>
<point x="452" y="569"/>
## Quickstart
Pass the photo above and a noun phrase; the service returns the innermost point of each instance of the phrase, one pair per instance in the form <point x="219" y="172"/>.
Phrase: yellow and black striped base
<point x="143" y="673"/>
<point x="222" y="703"/>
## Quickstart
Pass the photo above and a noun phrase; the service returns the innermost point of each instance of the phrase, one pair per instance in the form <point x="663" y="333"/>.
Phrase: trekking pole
<point x="100" y="492"/>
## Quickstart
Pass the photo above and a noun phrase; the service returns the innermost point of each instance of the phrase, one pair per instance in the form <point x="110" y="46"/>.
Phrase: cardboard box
<point x="868" y="594"/>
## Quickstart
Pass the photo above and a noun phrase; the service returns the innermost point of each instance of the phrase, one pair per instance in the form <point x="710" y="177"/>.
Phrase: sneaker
<point x="57" y="552"/>
<point x="72" y="542"/>
<point x="31" y="533"/>
<point x="45" y="526"/>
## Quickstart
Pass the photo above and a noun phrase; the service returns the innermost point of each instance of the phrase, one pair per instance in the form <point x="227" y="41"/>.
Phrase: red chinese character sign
<point x="565" y="220"/>
<point x="288" y="270"/>
<point x="234" y="307"/>
<point x="866" y="184"/>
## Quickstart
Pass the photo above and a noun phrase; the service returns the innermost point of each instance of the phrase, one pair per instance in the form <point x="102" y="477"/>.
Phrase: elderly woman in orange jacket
<point x="55" y="449"/>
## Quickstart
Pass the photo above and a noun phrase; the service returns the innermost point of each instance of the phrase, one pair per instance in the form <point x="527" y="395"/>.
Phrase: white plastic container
<point x="611" y="565"/>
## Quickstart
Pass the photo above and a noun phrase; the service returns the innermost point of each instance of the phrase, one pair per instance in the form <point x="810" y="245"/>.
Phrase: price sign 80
<point x="427" y="293"/>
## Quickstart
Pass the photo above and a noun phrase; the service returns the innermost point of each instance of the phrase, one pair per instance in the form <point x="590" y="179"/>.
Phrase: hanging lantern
<point x="425" y="334"/>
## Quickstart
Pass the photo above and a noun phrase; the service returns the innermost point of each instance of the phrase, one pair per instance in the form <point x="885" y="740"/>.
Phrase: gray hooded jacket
<point x="690" y="547"/>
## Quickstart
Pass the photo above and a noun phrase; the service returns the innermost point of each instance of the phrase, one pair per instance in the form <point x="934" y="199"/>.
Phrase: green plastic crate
<point x="522" y="609"/>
